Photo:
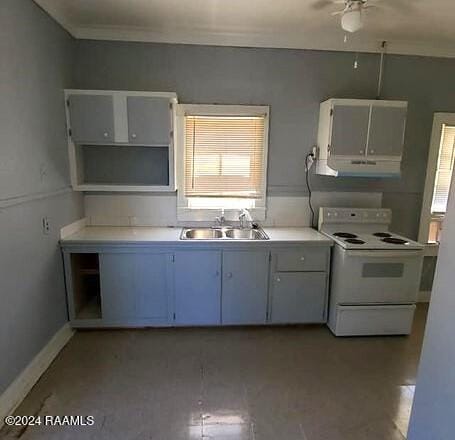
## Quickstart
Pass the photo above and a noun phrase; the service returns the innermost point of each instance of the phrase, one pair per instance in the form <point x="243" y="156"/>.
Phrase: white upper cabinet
<point x="359" y="137"/>
<point x="121" y="140"/>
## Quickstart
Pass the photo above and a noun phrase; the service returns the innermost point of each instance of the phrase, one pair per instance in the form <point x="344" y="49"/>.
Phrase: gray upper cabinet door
<point x="298" y="297"/>
<point x="149" y="120"/>
<point x="245" y="282"/>
<point x="197" y="287"/>
<point x="135" y="287"/>
<point x="91" y="118"/>
<point x="349" y="130"/>
<point x="387" y="131"/>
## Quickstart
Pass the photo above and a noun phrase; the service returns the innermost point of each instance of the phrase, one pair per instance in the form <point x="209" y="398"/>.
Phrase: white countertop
<point x="167" y="235"/>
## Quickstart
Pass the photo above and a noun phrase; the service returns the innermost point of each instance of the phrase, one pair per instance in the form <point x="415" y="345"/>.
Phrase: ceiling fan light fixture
<point x="351" y="20"/>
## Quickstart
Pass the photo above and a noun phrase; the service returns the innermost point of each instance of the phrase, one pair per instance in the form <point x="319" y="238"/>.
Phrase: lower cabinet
<point x="298" y="297"/>
<point x="197" y="287"/>
<point x="162" y="287"/>
<point x="245" y="282"/>
<point x="135" y="287"/>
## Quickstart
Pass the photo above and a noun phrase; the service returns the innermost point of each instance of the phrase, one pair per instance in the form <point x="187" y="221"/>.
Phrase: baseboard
<point x="18" y="390"/>
<point x="424" y="296"/>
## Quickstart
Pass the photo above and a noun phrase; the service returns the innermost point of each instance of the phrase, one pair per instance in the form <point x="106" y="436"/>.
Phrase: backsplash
<point x="161" y="210"/>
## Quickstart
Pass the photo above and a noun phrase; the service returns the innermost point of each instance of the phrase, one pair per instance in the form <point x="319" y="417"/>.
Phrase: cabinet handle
<point x="278" y="279"/>
<point x="217" y="273"/>
<point x="302" y="258"/>
<point x="105" y="134"/>
<point x="372" y="151"/>
<point x="361" y="151"/>
<point x="134" y="135"/>
<point x="229" y="275"/>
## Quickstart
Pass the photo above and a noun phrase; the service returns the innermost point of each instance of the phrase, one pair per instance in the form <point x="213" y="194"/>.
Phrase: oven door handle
<point x="385" y="254"/>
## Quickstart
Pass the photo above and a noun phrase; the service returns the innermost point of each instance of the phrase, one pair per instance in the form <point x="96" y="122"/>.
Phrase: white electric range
<point x="375" y="274"/>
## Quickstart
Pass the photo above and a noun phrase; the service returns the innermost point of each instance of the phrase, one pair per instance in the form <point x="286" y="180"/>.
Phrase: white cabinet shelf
<point x="121" y="140"/>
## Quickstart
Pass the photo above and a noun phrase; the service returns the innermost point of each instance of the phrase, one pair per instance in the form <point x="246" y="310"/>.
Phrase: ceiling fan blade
<point x="321" y="4"/>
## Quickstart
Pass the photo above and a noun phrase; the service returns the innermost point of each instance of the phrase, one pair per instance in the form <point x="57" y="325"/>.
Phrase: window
<point x="222" y="159"/>
<point x="439" y="176"/>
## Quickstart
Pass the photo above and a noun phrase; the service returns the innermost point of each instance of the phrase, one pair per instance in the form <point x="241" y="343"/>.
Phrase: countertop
<point x="142" y="235"/>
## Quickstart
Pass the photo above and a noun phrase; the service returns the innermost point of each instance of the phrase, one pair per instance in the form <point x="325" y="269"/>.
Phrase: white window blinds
<point x="444" y="170"/>
<point x="224" y="156"/>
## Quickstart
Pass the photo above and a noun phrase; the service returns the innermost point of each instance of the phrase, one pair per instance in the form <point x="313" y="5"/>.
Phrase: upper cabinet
<point x="360" y="137"/>
<point x="349" y="129"/>
<point x="149" y="120"/>
<point x="92" y="118"/>
<point x="120" y="140"/>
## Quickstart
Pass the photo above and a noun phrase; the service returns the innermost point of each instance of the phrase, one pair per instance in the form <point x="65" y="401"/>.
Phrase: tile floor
<point x="229" y="383"/>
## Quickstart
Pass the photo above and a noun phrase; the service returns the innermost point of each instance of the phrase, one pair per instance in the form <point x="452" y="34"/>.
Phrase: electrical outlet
<point x="46" y="226"/>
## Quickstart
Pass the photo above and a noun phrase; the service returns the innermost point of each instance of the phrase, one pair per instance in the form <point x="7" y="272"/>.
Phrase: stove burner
<point x="382" y="234"/>
<point x="394" y="240"/>
<point x="354" y="241"/>
<point x="345" y="235"/>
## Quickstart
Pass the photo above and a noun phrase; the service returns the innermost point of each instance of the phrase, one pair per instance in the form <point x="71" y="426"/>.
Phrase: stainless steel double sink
<point x="223" y="234"/>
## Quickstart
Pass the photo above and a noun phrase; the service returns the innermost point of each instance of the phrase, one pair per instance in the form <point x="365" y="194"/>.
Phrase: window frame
<point x="439" y="119"/>
<point x="184" y="211"/>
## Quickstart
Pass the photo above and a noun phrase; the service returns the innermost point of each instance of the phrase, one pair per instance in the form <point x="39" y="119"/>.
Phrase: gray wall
<point x="434" y="404"/>
<point x="36" y="59"/>
<point x="293" y="83"/>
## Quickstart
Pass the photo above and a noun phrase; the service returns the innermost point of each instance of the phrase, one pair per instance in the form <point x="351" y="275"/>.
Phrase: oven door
<point x="376" y="276"/>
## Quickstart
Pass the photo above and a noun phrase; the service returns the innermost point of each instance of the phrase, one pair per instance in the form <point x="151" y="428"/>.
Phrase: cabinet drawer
<point x="301" y="260"/>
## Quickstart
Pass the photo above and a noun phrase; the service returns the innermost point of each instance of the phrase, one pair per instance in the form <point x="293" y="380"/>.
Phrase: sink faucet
<point x="245" y="219"/>
<point x="221" y="220"/>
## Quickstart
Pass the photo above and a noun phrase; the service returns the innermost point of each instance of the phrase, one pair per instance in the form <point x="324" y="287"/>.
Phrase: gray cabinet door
<point x="245" y="281"/>
<point x="135" y="286"/>
<point x="349" y="130"/>
<point x="197" y="287"/>
<point x="387" y="131"/>
<point x="92" y="118"/>
<point x="118" y="299"/>
<point x="153" y="285"/>
<point x="149" y="120"/>
<point x="298" y="297"/>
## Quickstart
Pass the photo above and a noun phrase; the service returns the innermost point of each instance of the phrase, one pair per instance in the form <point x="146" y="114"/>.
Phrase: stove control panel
<point x="355" y="215"/>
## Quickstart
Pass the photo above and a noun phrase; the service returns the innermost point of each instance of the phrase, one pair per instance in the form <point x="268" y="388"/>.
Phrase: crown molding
<point x="287" y="41"/>
<point x="357" y="42"/>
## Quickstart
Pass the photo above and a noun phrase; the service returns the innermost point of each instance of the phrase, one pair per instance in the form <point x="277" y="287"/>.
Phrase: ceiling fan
<point x="351" y="15"/>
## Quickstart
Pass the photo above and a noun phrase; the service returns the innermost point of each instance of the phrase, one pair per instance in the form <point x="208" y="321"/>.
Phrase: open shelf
<point x="86" y="286"/>
<point x="123" y="165"/>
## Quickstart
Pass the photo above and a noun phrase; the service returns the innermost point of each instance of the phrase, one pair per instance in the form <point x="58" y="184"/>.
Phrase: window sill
<point x="431" y="250"/>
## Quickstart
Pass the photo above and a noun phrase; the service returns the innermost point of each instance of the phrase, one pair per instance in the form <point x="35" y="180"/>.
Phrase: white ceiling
<point x="421" y="27"/>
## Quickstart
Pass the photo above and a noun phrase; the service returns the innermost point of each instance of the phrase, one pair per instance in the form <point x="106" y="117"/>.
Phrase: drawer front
<point x="372" y="320"/>
<point x="302" y="259"/>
